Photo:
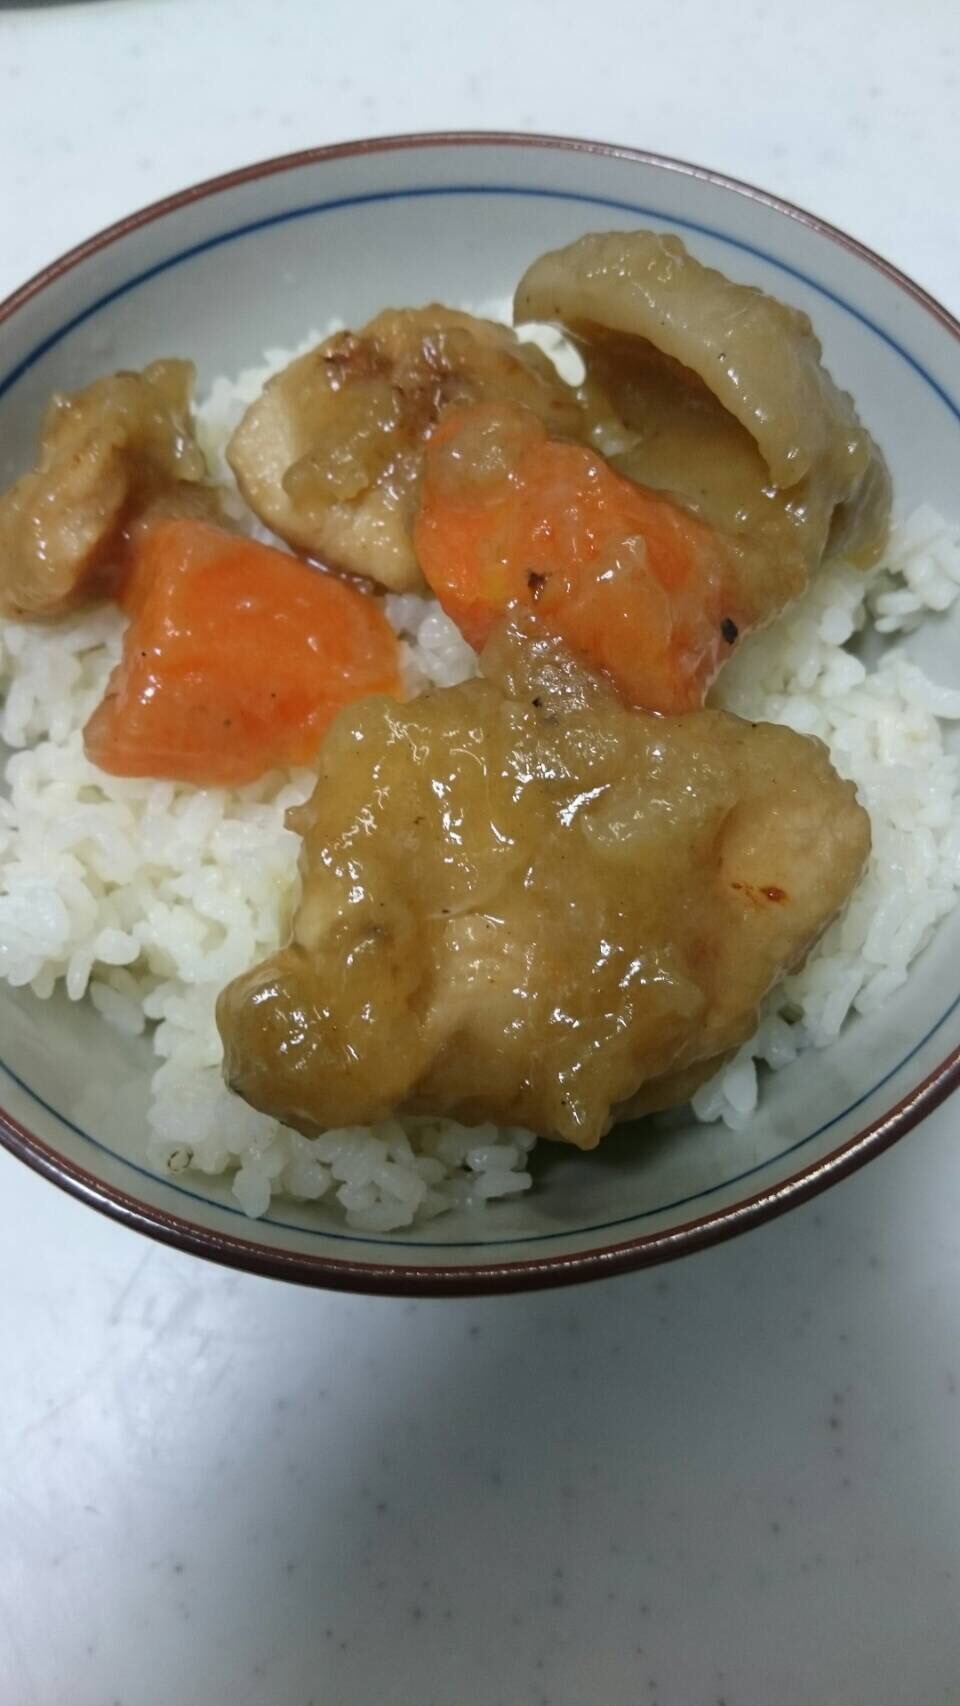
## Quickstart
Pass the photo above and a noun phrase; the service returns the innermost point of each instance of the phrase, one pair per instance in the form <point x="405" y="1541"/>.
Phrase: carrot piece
<point x="636" y="586"/>
<point x="236" y="659"/>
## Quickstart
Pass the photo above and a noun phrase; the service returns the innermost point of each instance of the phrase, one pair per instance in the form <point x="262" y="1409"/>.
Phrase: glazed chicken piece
<point x="112" y="459"/>
<point x="523" y="903"/>
<point x="720" y="398"/>
<point x="330" y="455"/>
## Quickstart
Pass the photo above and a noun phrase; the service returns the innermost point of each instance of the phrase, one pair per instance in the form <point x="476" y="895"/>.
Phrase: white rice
<point x="149" y="896"/>
<point x="884" y="728"/>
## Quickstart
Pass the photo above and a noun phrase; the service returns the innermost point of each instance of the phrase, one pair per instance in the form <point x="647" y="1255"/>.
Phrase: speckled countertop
<point x="733" y="1482"/>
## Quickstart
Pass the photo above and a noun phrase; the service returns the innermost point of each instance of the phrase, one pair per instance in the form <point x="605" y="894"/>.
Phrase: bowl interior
<point x="261" y="263"/>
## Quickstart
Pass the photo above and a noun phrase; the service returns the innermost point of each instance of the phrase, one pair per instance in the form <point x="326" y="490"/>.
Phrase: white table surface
<point x="735" y="1480"/>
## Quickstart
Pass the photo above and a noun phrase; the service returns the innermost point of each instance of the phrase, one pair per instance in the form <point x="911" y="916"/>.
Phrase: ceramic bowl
<point x="258" y="258"/>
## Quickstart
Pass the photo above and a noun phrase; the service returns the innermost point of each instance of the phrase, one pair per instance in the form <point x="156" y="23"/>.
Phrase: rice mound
<point x="883" y="728"/>
<point x="150" y="896"/>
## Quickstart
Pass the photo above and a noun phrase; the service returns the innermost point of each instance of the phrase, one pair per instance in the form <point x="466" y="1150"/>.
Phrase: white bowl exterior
<point x="262" y="263"/>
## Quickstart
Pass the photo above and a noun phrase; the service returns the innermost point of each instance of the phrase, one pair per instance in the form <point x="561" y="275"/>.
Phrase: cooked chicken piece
<point x="112" y="457"/>
<point x="729" y="404"/>
<point x="523" y="902"/>
<point x="330" y="455"/>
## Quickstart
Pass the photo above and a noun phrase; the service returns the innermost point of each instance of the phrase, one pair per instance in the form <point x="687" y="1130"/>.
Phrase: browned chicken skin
<point x="524" y="903"/>
<point x="111" y="458"/>
<point x="330" y="455"/>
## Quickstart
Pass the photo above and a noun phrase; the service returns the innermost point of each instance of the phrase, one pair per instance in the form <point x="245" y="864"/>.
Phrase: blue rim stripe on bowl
<point x="344" y="202"/>
<point x="403" y="1242"/>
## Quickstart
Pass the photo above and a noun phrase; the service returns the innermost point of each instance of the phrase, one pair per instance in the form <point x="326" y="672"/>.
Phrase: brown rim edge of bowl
<point x="409" y="1280"/>
<point x="276" y="164"/>
<point x="644" y="1251"/>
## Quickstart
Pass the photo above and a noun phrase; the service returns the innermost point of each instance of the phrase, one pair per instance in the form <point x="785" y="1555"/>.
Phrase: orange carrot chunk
<point x="236" y="659"/>
<point x="636" y="586"/>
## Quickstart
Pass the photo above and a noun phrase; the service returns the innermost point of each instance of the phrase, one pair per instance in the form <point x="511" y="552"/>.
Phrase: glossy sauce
<point x="637" y="587"/>
<point x="330" y="456"/>
<point x="721" y="394"/>
<point x="523" y="903"/>
<point x="111" y="459"/>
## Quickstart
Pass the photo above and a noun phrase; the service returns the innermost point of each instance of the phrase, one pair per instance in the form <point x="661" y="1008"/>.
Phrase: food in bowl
<point x="478" y="950"/>
<point x="112" y="460"/>
<point x="523" y="901"/>
<point x="330" y="455"/>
